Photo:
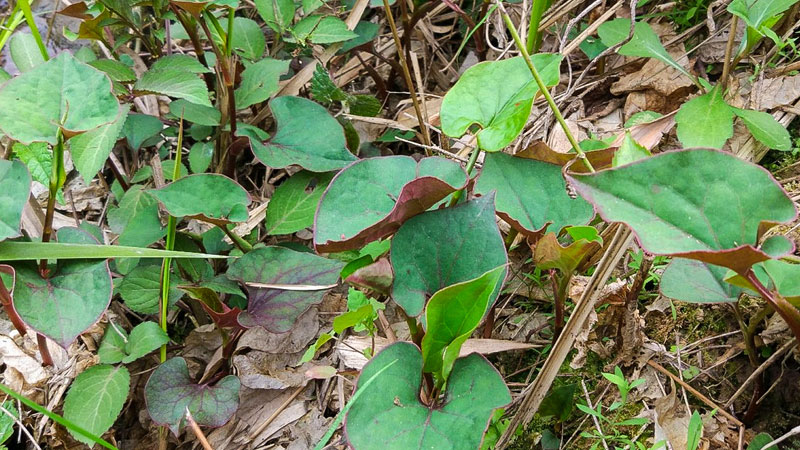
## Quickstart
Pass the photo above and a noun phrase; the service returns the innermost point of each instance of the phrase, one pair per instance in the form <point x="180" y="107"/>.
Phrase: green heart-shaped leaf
<point x="281" y="285"/>
<point x="170" y="392"/>
<point x="705" y="121"/>
<point x="136" y="219"/>
<point x="260" y="81"/>
<point x="501" y="109"/>
<point x="306" y="136"/>
<point x="16" y="185"/>
<point x="699" y="204"/>
<point x="444" y="247"/>
<point x="70" y="300"/>
<point x="118" y="346"/>
<point x="211" y="196"/>
<point x="697" y="282"/>
<point x="531" y="194"/>
<point x="452" y="315"/>
<point x="61" y="93"/>
<point x="371" y="198"/>
<point x="390" y="416"/>
<point x="141" y="289"/>
<point x="644" y="43"/>
<point x="174" y="82"/>
<point x="90" y="150"/>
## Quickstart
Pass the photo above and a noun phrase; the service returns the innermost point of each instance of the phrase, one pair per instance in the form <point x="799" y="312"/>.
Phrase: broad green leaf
<point x="351" y="318"/>
<point x="7" y="423"/>
<point x="38" y="158"/>
<point x="559" y="403"/>
<point x="443" y="247"/>
<point x="695" y="431"/>
<point x="531" y="195"/>
<point x="170" y="392"/>
<point x="168" y="167"/>
<point x="453" y="313"/>
<point x="371" y="198"/>
<point x="90" y="150"/>
<point x="178" y="61"/>
<point x="765" y="128"/>
<point x="141" y="289"/>
<point x="174" y="82"/>
<point x="629" y="151"/>
<point x="139" y="128"/>
<point x="659" y="199"/>
<point x="323" y="89"/>
<point x="24" y="51"/>
<point x="212" y="196"/>
<point x="310" y="6"/>
<point x="364" y="105"/>
<point x="277" y="14"/>
<point x="112" y="348"/>
<point x="96" y="398"/>
<point x="260" y="81"/>
<point x="200" y="156"/>
<point x="759" y="441"/>
<point x="115" y="70"/>
<point x="644" y="44"/>
<point x="4" y="76"/>
<point x="277" y="309"/>
<point x="248" y="38"/>
<point x="321" y="30"/>
<point x="29" y="251"/>
<point x="61" y="93"/>
<point x="390" y="416"/>
<point x="777" y="246"/>
<point x="366" y="32"/>
<point x="784" y="276"/>
<point x="307" y="136"/>
<point x="144" y="338"/>
<point x="697" y="282"/>
<point x="70" y="300"/>
<point x="292" y="207"/>
<point x="192" y="112"/>
<point x="15" y="186"/>
<point x="757" y="12"/>
<point x="499" y="109"/>
<point x="705" y="121"/>
<point x="136" y="219"/>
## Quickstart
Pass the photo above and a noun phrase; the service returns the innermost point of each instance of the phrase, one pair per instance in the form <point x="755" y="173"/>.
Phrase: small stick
<point x="695" y="392"/>
<point x="197" y="431"/>
<point x="790" y="433"/>
<point x="275" y="414"/>
<point x="387" y="327"/>
<point x="756" y="373"/>
<point x="594" y="418"/>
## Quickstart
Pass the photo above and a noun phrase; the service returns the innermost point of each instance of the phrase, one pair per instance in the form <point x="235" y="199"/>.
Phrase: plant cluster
<point x="419" y="232"/>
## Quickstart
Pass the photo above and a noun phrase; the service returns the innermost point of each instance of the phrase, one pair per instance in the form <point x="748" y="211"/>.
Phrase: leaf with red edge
<point x="274" y="309"/>
<point x="73" y="297"/>
<point x="699" y="204"/>
<point x="531" y="194"/>
<point x="222" y="314"/>
<point x="170" y="392"/>
<point x="371" y="198"/>
<point x="377" y="276"/>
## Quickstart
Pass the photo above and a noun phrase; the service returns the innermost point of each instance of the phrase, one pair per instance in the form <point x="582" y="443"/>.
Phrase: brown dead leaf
<point x="658" y="77"/>
<point x="408" y="117"/>
<point x="648" y="134"/>
<point x="775" y="92"/>
<point x="24" y="364"/>
<point x="672" y="420"/>
<point x="296" y="340"/>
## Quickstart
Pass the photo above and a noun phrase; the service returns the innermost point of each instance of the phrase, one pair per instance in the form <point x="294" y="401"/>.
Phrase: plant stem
<point x="172" y="224"/>
<point x="47" y="360"/>
<point x="542" y="88"/>
<point x="191" y="30"/>
<point x="57" y="178"/>
<point x="473" y="157"/>
<point x="8" y="305"/>
<point x="426" y="137"/>
<point x="788" y="311"/>
<point x="25" y="7"/>
<point x="534" y="38"/>
<point x="240" y="243"/>
<point x="726" y="68"/>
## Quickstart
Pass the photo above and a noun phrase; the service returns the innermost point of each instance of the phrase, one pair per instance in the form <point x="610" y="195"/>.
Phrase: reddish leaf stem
<point x="788" y="311"/>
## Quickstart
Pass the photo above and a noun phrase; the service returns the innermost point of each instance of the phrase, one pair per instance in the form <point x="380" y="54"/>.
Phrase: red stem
<point x="788" y="311"/>
<point x="47" y="360"/>
<point x="6" y="300"/>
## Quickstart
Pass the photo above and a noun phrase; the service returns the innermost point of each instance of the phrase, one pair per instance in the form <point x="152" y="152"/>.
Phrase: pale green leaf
<point x="96" y="398"/>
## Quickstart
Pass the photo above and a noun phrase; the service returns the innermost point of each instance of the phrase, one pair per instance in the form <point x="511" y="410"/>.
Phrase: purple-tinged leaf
<point x="276" y="310"/>
<point x="73" y="297"/>
<point x="170" y="392"/>
<point x="371" y="198"/>
<point x="377" y="276"/>
<point x="699" y="204"/>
